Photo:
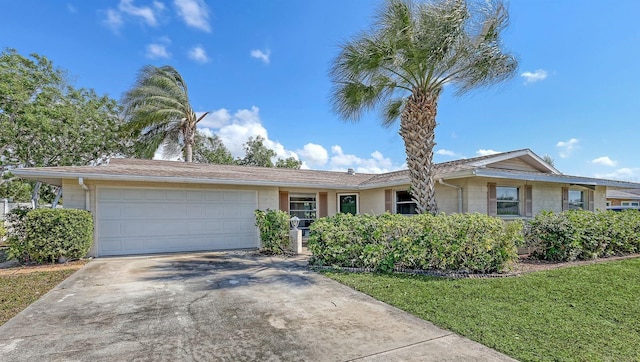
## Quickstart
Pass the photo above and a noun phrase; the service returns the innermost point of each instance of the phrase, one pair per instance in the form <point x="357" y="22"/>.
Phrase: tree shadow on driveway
<point x="227" y="271"/>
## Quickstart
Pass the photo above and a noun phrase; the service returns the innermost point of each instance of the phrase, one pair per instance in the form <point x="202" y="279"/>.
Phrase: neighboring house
<point x="630" y="197"/>
<point x="144" y="206"/>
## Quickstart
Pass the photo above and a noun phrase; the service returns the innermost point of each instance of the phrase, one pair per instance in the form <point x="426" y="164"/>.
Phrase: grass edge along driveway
<point x="18" y="291"/>
<point x="581" y="313"/>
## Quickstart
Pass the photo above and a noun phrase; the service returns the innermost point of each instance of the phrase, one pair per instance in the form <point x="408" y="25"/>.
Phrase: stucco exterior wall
<point x="73" y="196"/>
<point x="372" y="202"/>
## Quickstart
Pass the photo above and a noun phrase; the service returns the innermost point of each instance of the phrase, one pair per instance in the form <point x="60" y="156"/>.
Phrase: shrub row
<point x="46" y="235"/>
<point x="473" y="243"/>
<point x="580" y="235"/>
<point x="274" y="230"/>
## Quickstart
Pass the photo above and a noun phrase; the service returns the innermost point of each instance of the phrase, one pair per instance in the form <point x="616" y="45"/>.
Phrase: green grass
<point x="18" y="291"/>
<point x="586" y="313"/>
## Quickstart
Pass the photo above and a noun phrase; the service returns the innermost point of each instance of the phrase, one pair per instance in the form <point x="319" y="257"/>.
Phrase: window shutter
<point x="322" y="207"/>
<point x="565" y="198"/>
<point x="284" y="201"/>
<point x="492" y="202"/>
<point x="387" y="200"/>
<point x="528" y="201"/>
<point x="591" y="200"/>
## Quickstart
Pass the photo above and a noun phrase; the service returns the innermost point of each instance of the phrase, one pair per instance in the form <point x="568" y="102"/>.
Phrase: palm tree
<point x="403" y="63"/>
<point x="158" y="113"/>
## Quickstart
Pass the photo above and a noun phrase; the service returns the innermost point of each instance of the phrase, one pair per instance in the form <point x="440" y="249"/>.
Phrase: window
<point x="303" y="206"/>
<point x="576" y="200"/>
<point x="629" y="203"/>
<point x="405" y="204"/>
<point x="507" y="200"/>
<point x="348" y="203"/>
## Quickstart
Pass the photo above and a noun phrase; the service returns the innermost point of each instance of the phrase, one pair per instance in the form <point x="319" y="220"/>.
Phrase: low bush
<point x="473" y="243"/>
<point x="582" y="235"/>
<point x="274" y="230"/>
<point x="46" y="235"/>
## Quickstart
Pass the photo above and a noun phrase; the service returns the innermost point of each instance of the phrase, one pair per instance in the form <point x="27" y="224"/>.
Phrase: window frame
<point x="630" y="203"/>
<point x="572" y="205"/>
<point x="292" y="211"/>
<point x="396" y="202"/>
<point x="338" y="204"/>
<point x="518" y="201"/>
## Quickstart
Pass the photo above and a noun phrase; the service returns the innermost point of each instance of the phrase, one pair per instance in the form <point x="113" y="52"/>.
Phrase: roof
<point x="492" y="166"/>
<point x="624" y="195"/>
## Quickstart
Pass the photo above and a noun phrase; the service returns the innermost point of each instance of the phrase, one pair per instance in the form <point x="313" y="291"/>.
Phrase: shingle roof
<point x="174" y="171"/>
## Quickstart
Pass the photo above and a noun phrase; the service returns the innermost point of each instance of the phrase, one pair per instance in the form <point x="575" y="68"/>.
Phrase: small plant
<point x="274" y="230"/>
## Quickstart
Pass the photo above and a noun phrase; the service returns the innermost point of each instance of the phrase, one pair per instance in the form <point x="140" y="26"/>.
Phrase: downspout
<point x="459" y="193"/>
<point x="87" y="200"/>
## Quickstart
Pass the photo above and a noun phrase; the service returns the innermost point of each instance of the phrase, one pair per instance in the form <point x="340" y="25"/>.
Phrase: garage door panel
<point x="132" y="194"/>
<point x="167" y="220"/>
<point x="175" y="195"/>
<point x="215" y="196"/>
<point x="215" y="211"/>
<point x="195" y="195"/>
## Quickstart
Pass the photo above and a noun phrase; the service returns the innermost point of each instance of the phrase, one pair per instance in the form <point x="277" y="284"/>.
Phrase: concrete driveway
<point x="220" y="307"/>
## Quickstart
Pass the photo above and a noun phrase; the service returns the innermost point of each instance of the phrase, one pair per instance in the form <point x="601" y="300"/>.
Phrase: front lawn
<point x="585" y="313"/>
<point x="18" y="291"/>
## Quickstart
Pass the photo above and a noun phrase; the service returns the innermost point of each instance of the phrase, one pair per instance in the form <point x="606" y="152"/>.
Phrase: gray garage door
<point x="142" y="221"/>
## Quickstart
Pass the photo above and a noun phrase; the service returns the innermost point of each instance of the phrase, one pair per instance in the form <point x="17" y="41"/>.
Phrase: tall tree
<point x="210" y="149"/>
<point x="45" y="121"/>
<point x="158" y="113"/>
<point x="289" y="162"/>
<point x="402" y="64"/>
<point x="256" y="153"/>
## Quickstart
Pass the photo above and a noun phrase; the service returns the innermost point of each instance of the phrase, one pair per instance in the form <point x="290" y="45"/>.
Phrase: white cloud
<point x="314" y="155"/>
<point x="113" y="20"/>
<point x="194" y="13"/>
<point x="605" y="161"/>
<point x="448" y="153"/>
<point x="146" y="13"/>
<point x="215" y="119"/>
<point x="625" y="174"/>
<point x="198" y="54"/>
<point x="483" y="152"/>
<point x="234" y="130"/>
<point x="532" y="77"/>
<point x="72" y="9"/>
<point x="264" y="56"/>
<point x="566" y="147"/>
<point x="376" y="164"/>
<point x="157" y="51"/>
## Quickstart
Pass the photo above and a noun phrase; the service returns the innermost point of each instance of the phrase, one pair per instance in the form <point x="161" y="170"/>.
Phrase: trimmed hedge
<point x="582" y="235"/>
<point x="473" y="243"/>
<point x="274" y="230"/>
<point x="46" y="235"/>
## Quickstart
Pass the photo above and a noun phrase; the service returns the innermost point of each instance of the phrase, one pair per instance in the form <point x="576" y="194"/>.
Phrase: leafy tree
<point x="548" y="159"/>
<point x="45" y="121"/>
<point x="402" y="64"/>
<point x="158" y="113"/>
<point x="210" y="149"/>
<point x="256" y="153"/>
<point x="289" y="162"/>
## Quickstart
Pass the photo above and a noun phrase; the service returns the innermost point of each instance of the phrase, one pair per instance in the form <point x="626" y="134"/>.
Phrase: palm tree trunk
<point x="189" y="141"/>
<point x="417" y="129"/>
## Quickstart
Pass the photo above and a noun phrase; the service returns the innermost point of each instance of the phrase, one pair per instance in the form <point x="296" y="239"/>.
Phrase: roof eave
<point x="566" y="179"/>
<point x="59" y="176"/>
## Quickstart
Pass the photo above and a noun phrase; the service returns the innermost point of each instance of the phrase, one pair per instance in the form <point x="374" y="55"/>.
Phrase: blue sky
<point x="261" y="68"/>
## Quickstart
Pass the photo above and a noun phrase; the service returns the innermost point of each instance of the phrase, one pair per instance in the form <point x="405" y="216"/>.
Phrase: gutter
<point x="459" y="193"/>
<point x="87" y="199"/>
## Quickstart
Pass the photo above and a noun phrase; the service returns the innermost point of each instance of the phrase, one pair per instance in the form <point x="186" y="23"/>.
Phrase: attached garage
<point x="157" y="220"/>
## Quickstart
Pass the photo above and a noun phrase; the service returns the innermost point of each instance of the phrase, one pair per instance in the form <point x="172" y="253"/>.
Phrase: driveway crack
<point x="401" y="347"/>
